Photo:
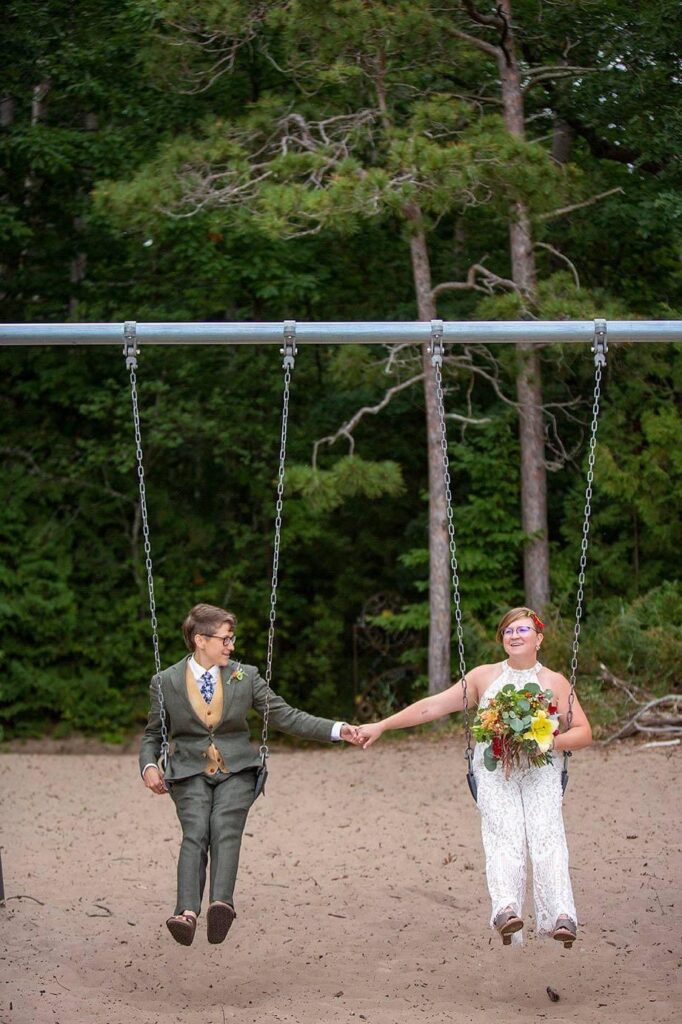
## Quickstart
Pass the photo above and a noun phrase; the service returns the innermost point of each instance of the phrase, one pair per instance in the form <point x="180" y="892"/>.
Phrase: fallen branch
<point x="107" y="912"/>
<point x="663" y="715"/>
<point x="636" y="693"/>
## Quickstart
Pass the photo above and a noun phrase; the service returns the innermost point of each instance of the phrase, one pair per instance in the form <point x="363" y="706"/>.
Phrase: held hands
<point x="153" y="779"/>
<point x="362" y="735"/>
<point x="369" y="734"/>
<point x="351" y="734"/>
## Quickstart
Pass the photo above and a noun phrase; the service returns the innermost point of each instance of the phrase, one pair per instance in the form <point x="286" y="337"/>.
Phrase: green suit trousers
<point x="212" y="812"/>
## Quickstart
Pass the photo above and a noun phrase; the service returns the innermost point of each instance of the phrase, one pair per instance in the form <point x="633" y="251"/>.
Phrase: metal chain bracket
<point x="436" y="350"/>
<point x="599" y="349"/>
<point x="130" y="353"/>
<point x="288" y="351"/>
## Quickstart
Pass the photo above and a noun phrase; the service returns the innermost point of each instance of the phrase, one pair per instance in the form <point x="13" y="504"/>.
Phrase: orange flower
<point x="488" y="718"/>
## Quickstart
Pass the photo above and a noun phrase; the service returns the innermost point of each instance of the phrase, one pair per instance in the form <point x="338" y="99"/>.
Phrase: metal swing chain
<point x="437" y="362"/>
<point x="130" y="352"/>
<point x="289" y="353"/>
<point x="599" y="349"/>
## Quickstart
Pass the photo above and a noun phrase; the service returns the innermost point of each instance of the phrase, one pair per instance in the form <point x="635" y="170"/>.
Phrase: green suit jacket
<point x="189" y="736"/>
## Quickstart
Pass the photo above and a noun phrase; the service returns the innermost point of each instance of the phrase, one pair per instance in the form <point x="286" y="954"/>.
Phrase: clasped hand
<point x="361" y="735"/>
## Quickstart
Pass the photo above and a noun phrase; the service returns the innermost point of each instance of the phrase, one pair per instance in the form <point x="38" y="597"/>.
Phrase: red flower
<point x="497" y="746"/>
<point x="552" y="709"/>
<point x="537" y="621"/>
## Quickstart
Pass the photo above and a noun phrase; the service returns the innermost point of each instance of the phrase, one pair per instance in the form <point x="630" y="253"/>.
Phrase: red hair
<point x="518" y="613"/>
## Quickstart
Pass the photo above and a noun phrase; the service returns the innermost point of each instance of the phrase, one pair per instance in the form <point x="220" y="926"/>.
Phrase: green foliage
<point x="152" y="183"/>
<point x="350" y="477"/>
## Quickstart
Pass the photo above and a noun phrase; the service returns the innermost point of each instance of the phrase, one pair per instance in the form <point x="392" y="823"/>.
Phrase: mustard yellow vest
<point x="209" y="715"/>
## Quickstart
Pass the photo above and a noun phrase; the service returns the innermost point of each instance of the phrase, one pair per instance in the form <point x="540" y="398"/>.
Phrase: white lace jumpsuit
<point x="523" y="814"/>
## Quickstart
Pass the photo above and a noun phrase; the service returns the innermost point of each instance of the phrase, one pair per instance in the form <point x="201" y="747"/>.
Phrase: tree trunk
<point x="439" y="550"/>
<point x="79" y="263"/>
<point x="7" y="108"/>
<point x="562" y="140"/>
<point x="529" y="378"/>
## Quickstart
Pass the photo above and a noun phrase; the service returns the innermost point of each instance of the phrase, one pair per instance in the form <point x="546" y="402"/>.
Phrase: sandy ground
<point x="361" y="896"/>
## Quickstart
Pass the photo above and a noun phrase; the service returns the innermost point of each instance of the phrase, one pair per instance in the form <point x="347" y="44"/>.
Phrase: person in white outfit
<point x="520" y="814"/>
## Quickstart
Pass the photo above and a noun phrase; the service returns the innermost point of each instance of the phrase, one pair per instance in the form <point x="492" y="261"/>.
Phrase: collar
<point x="198" y="670"/>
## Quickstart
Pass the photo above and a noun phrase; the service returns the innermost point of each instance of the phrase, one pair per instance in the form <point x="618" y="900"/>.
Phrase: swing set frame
<point x="436" y="334"/>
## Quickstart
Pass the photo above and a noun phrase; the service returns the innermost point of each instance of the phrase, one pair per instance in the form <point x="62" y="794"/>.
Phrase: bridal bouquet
<point x="516" y="725"/>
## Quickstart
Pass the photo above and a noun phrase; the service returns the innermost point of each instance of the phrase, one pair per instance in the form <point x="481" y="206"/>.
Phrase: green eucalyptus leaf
<point x="489" y="760"/>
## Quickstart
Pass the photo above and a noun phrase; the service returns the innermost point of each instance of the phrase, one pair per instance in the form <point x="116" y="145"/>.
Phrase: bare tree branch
<point x="562" y="211"/>
<point x="236" y="181"/>
<point x="218" y="48"/>
<point x="489" y="281"/>
<point x="491" y="20"/>
<point x="561" y="256"/>
<point x="480" y="44"/>
<point x="346" y="430"/>
<point x="469" y="420"/>
<point x="551" y="69"/>
<point x="536" y="75"/>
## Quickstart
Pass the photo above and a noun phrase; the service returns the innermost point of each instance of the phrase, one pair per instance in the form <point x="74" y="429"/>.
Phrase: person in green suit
<point x="212" y="770"/>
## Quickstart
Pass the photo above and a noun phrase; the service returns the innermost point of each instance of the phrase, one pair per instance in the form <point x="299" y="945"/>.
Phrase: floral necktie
<point x="207" y="687"/>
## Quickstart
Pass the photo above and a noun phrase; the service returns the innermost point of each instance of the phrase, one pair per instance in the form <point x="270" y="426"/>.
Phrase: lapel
<point x="178" y="677"/>
<point x="228" y="687"/>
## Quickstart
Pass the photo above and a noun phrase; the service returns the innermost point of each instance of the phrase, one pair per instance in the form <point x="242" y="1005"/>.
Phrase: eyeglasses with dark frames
<point x="227" y="640"/>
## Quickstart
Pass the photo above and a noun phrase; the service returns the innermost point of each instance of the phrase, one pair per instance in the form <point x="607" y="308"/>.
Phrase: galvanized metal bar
<point x="349" y="333"/>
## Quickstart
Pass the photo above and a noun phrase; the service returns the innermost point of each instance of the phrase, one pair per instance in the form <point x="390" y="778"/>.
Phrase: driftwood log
<point x="660" y="716"/>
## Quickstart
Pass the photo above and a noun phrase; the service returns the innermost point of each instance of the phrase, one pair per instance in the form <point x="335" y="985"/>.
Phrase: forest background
<point x="230" y="161"/>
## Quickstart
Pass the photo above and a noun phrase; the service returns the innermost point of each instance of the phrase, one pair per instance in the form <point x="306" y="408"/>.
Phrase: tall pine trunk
<point x="439" y="552"/>
<point x="529" y="375"/>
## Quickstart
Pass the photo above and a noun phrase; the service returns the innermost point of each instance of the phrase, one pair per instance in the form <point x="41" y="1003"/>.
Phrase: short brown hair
<point x="518" y="613"/>
<point x="205" y="618"/>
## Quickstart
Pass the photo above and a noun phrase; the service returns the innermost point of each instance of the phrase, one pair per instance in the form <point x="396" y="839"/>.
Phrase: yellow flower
<point x="541" y="730"/>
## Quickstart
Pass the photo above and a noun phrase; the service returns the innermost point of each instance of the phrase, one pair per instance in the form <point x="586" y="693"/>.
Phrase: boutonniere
<point x="237" y="674"/>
